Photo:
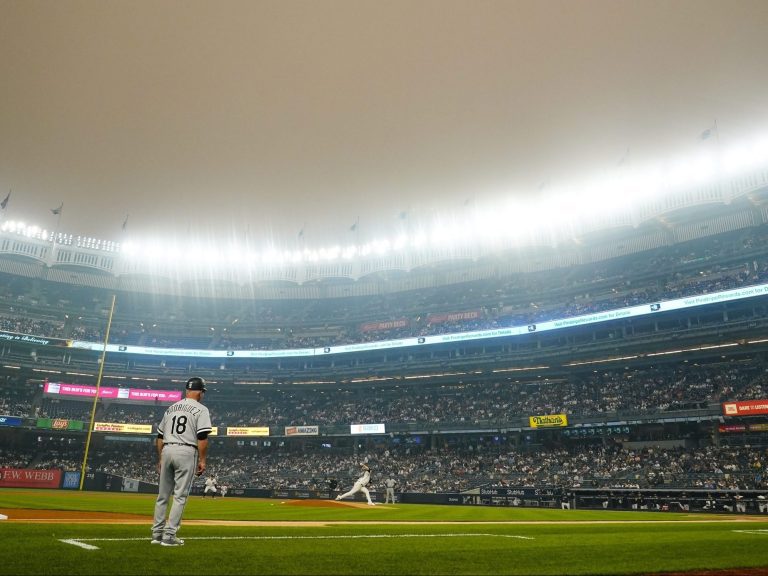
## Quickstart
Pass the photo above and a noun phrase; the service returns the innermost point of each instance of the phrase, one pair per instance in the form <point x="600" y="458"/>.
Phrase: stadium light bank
<point x="496" y="226"/>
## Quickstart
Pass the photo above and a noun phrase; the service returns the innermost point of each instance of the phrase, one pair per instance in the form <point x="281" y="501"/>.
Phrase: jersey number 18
<point x="179" y="424"/>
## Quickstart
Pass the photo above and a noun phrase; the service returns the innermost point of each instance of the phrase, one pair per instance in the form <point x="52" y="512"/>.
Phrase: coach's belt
<point x="179" y="444"/>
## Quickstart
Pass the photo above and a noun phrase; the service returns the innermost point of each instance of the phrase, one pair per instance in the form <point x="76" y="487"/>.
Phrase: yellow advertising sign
<point x="126" y="428"/>
<point x="549" y="421"/>
<point x="250" y="431"/>
<point x="214" y="431"/>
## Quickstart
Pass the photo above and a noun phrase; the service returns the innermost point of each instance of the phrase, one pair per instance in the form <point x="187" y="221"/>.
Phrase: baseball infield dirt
<point x="78" y="517"/>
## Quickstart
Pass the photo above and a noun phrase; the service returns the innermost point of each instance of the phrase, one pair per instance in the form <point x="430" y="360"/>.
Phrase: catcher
<point x="360" y="485"/>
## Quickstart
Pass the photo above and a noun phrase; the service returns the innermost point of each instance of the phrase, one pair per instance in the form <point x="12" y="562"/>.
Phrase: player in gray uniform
<point x="389" y="483"/>
<point x="182" y="446"/>
<point x="360" y="485"/>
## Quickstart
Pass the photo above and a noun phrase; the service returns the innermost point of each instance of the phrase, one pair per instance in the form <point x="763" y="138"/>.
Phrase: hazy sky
<point x="272" y="116"/>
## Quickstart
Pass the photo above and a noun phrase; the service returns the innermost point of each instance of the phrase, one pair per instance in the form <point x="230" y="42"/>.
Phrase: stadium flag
<point x="625" y="159"/>
<point x="4" y="203"/>
<point x="711" y="132"/>
<point x="58" y="210"/>
<point x="125" y="222"/>
<point x="353" y="228"/>
<point x="301" y="232"/>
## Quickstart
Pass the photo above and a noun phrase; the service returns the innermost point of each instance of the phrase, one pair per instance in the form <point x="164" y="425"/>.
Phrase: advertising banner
<point x="125" y="428"/>
<point x="71" y="480"/>
<point x="248" y="431"/>
<point x="454" y="317"/>
<point x="107" y="392"/>
<point x="388" y="325"/>
<point x="366" y="429"/>
<point x="727" y="428"/>
<point x="758" y="427"/>
<point x="549" y="421"/>
<point x="29" y="478"/>
<point x="36" y="340"/>
<point x="302" y="430"/>
<point x="10" y="421"/>
<point x="745" y="408"/>
<point x="60" y="424"/>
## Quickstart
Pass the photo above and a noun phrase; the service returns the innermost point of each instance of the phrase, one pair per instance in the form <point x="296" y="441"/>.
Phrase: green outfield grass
<point x="474" y="546"/>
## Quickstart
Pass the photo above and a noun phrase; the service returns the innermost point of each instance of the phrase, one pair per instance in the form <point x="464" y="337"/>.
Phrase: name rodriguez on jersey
<point x="185" y="408"/>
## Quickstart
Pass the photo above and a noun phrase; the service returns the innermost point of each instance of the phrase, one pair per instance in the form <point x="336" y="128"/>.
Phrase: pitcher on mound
<point x="360" y="485"/>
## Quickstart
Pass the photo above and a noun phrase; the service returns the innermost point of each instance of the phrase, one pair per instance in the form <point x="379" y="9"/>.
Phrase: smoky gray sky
<point x="265" y="117"/>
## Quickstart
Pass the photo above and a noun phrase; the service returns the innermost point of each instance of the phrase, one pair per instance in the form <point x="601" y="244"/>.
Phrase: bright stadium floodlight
<point x="129" y="248"/>
<point x="349" y="252"/>
<point x="380" y="247"/>
<point x="331" y="253"/>
<point x="235" y="254"/>
<point x="420" y="240"/>
<point x="442" y="236"/>
<point x="401" y="241"/>
<point x="295" y="257"/>
<point x="736" y="159"/>
<point x="760" y="148"/>
<point x="270" y="256"/>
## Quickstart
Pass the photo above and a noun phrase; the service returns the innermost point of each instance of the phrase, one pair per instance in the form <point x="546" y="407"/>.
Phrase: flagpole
<point x="717" y="135"/>
<point x="58" y="211"/>
<point x="4" y="204"/>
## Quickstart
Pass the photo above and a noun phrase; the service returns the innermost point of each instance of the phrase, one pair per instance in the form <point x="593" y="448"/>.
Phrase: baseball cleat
<point x="156" y="540"/>
<point x="172" y="541"/>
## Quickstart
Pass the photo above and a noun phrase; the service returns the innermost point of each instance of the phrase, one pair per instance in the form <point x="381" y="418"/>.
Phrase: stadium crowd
<point x="700" y="267"/>
<point x="449" y="469"/>
<point x="621" y="392"/>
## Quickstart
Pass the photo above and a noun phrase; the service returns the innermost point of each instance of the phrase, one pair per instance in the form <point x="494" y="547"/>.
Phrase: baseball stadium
<point x="340" y="287"/>
<point x="588" y="403"/>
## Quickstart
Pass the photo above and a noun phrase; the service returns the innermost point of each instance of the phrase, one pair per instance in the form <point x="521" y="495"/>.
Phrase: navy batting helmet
<point x="195" y="383"/>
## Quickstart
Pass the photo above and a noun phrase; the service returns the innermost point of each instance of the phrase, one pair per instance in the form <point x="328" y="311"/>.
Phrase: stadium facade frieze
<point x="97" y="263"/>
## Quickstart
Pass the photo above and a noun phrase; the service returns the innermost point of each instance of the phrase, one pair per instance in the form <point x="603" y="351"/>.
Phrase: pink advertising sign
<point x="135" y="394"/>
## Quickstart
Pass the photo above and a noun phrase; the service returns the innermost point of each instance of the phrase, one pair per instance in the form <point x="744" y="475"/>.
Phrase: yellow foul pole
<point x="96" y="396"/>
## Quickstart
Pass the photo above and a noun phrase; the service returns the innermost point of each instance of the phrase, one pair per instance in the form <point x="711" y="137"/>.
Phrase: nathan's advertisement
<point x="248" y="431"/>
<point x="29" y="478"/>
<point x="121" y="427"/>
<point x="549" y="421"/>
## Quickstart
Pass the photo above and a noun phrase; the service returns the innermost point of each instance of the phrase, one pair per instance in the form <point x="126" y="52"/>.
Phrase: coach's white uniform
<point x="178" y="432"/>
<point x="360" y="486"/>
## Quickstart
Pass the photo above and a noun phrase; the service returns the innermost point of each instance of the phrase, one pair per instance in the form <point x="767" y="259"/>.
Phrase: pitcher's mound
<point x="328" y="503"/>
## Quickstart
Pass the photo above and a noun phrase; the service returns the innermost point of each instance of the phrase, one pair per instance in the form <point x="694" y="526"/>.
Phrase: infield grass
<point x="473" y="546"/>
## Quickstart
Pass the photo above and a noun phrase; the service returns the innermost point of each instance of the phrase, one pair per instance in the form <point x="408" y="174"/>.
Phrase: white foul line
<point x="81" y="542"/>
<point x="76" y="542"/>
<point x="761" y="532"/>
